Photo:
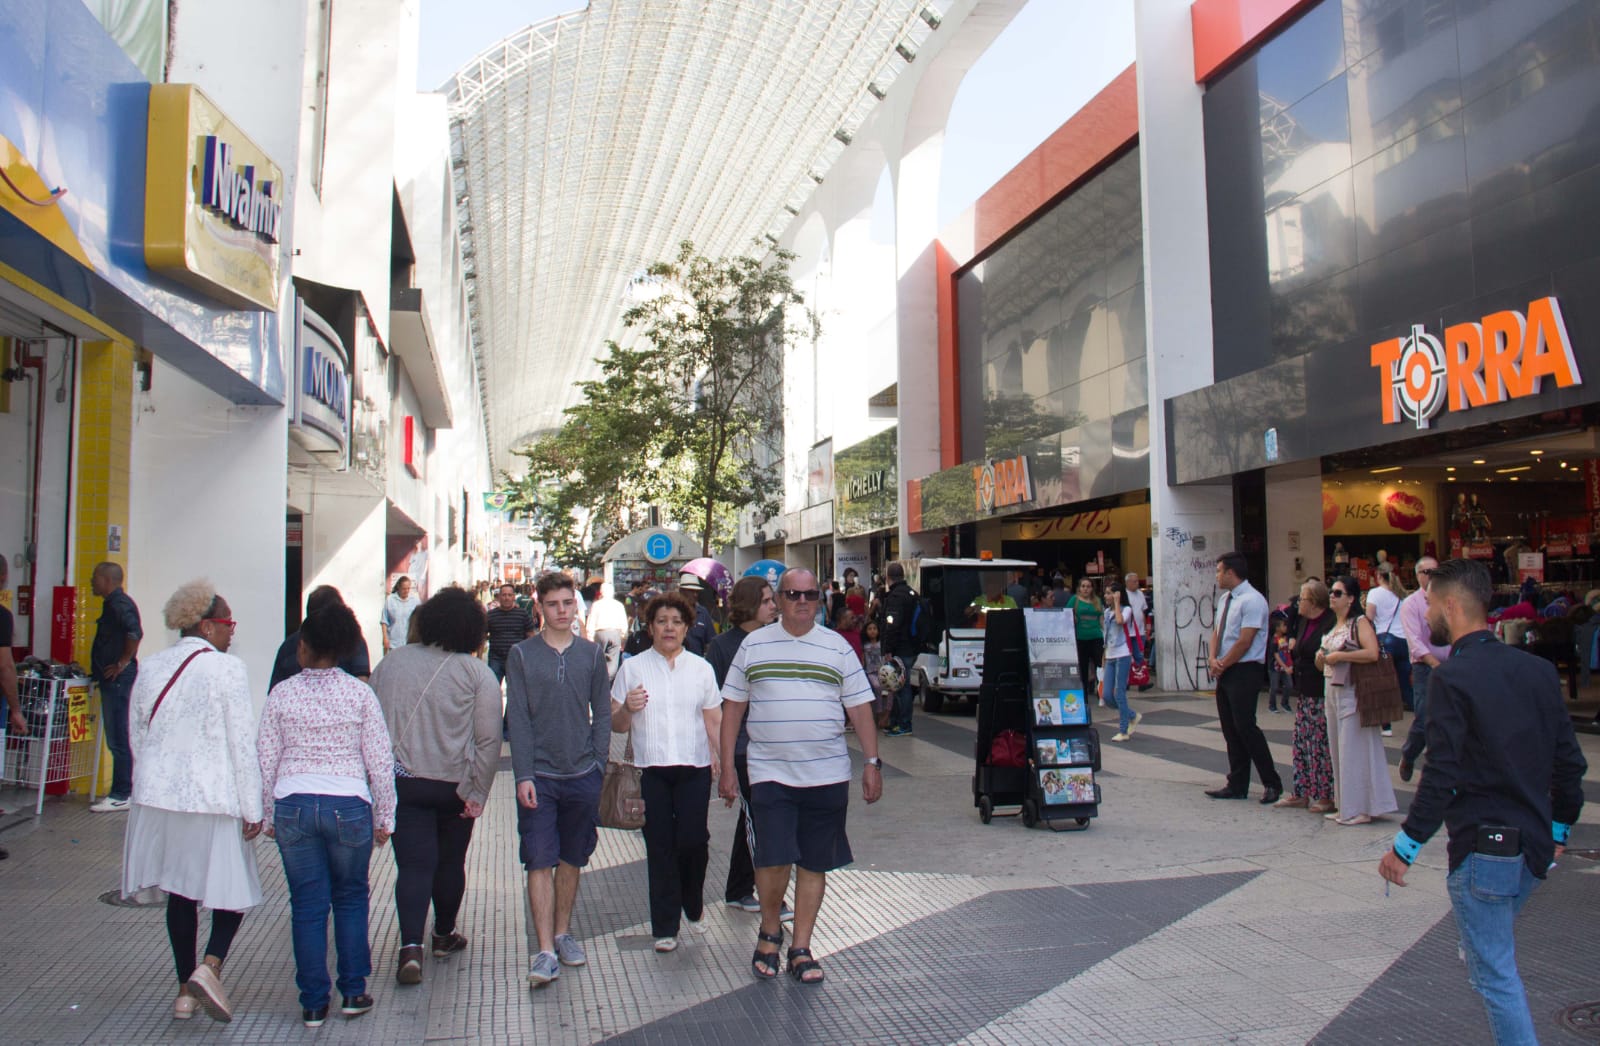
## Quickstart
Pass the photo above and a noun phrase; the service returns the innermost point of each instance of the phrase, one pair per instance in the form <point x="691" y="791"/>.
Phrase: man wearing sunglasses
<point x="797" y="682"/>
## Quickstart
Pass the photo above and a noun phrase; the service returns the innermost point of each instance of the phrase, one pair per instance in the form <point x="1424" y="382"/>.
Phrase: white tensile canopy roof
<point x="588" y="146"/>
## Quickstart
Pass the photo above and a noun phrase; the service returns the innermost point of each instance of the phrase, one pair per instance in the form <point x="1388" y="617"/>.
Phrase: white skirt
<point x="200" y="856"/>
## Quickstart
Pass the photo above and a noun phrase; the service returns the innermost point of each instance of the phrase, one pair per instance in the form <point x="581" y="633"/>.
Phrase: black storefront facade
<point x="1402" y="200"/>
<point x="1053" y="389"/>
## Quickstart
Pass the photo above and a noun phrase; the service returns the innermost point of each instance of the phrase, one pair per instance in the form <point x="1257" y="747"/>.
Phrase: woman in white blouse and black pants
<point x="668" y="697"/>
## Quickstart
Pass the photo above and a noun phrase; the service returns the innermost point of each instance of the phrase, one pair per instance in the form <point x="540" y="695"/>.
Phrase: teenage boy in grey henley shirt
<point x="558" y="712"/>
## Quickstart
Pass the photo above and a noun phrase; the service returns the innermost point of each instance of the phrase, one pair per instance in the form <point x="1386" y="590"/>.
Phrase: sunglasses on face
<point x="1338" y="593"/>
<point x="801" y="595"/>
<point x="227" y="623"/>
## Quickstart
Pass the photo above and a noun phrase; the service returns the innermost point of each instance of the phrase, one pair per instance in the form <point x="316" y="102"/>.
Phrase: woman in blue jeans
<point x="327" y="779"/>
<point x="1116" y="625"/>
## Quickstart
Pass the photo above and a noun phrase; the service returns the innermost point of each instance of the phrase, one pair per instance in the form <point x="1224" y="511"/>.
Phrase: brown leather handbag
<point x="621" y="798"/>
<point x="1377" y="687"/>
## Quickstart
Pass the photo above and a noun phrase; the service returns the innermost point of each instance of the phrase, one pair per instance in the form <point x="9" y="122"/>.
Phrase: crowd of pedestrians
<point x="345" y="758"/>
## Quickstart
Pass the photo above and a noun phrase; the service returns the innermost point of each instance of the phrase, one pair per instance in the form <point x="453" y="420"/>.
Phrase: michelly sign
<point x="1504" y="356"/>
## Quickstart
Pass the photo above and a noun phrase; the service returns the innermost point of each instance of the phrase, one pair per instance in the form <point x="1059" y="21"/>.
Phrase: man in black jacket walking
<point x="1505" y="777"/>
<point x="899" y="640"/>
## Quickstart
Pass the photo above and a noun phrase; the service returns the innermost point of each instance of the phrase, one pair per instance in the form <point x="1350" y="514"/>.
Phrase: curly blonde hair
<point x="188" y="606"/>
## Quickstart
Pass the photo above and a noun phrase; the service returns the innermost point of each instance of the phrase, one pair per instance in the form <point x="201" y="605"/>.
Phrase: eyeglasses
<point x="1424" y="573"/>
<point x="802" y="595"/>
<point x="1337" y="593"/>
<point x="226" y="622"/>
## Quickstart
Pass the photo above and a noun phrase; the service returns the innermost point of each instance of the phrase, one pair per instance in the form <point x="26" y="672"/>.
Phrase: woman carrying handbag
<point x="1361" y="784"/>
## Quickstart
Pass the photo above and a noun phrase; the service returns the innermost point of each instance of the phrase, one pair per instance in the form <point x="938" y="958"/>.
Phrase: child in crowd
<point x="1280" y="675"/>
<point x="872" y="661"/>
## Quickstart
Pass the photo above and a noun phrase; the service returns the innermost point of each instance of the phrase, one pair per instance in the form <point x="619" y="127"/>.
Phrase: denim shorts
<point x="565" y="827"/>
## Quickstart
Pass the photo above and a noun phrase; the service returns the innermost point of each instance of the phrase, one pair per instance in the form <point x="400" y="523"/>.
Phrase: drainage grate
<point x="1583" y="1018"/>
<point x="115" y="899"/>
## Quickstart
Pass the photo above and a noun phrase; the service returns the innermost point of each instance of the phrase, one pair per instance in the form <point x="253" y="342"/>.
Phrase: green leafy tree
<point x="687" y="416"/>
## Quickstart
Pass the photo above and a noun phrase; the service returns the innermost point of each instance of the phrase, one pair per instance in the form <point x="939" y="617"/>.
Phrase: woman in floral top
<point x="327" y="784"/>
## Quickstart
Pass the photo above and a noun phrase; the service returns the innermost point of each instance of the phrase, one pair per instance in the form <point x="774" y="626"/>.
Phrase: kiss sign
<point x="1504" y="356"/>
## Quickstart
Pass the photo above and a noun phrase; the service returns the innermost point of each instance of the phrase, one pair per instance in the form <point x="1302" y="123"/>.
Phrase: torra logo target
<point x="1504" y="356"/>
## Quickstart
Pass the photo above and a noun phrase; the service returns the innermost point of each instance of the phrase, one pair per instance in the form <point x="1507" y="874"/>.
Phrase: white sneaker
<point x="666" y="944"/>
<point x="109" y="805"/>
<point x="1137" y="716"/>
<point x="1119" y="737"/>
<point x="1388" y="732"/>
<point x="694" y="927"/>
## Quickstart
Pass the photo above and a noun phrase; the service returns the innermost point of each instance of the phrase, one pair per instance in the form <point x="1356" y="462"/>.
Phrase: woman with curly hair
<point x="196" y="792"/>
<point x="442" y="707"/>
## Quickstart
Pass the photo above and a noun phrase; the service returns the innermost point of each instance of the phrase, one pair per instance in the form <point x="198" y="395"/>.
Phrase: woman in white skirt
<point x="196" y="792"/>
<point x="1361" y="785"/>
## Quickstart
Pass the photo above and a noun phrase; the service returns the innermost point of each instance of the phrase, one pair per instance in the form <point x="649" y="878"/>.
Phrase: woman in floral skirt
<point x="1313" y="765"/>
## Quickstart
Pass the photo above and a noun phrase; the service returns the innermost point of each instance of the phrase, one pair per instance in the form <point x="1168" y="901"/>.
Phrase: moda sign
<point x="1504" y="356"/>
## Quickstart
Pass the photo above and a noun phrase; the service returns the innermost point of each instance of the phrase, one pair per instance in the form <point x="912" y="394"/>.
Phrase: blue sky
<point x="1052" y="58"/>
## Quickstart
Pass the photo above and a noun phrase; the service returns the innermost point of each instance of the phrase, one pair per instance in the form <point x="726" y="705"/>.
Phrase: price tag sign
<point x="78" y="713"/>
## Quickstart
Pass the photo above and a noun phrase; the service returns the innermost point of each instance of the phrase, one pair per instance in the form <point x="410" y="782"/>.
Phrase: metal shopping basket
<point x="63" y="739"/>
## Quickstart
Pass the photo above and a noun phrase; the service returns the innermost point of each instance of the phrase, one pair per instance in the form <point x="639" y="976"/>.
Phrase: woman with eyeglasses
<point x="196" y="793"/>
<point x="1313" y="763"/>
<point x="669" y="699"/>
<point x="1361" y="784"/>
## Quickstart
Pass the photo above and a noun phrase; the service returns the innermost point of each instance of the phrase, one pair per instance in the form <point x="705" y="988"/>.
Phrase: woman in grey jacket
<point x="442" y="707"/>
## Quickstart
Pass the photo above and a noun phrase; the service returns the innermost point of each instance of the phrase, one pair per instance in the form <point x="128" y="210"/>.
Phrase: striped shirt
<point x="798" y="688"/>
<point x="507" y="628"/>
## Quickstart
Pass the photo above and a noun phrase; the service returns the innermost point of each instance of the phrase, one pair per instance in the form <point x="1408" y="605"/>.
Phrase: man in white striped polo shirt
<point x="799" y="681"/>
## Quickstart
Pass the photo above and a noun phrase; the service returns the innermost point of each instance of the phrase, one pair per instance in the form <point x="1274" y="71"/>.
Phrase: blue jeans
<point x="326" y="843"/>
<point x="1417" y="736"/>
<point x="1487" y="893"/>
<point x="497" y="665"/>
<point x="1116" y="689"/>
<point x="901" y="713"/>
<point x="114" y="695"/>
<point x="1397" y="648"/>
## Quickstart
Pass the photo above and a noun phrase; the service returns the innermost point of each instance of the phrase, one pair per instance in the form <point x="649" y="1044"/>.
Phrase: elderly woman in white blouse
<point x="669" y="699"/>
<point x="196" y="792"/>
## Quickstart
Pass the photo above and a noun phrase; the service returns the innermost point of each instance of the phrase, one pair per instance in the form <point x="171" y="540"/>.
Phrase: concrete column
<point x="1191" y="526"/>
<point x="1294" y="528"/>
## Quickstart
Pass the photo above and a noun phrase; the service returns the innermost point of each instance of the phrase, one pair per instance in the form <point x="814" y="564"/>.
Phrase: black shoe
<point x="1407" y="768"/>
<point x="1226" y="793"/>
<point x="1270" y="796"/>
<point x="356" y="1005"/>
<point x="314" y="1018"/>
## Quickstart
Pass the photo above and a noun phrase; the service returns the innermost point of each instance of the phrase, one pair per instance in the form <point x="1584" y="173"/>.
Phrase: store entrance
<point x="1519" y="506"/>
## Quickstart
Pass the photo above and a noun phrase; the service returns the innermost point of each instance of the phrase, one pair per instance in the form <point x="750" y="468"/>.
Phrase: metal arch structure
<point x="590" y="145"/>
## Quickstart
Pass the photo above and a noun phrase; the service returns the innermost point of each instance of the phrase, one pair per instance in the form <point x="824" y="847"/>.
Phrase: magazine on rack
<point x="1068" y="751"/>
<point x="1067" y="708"/>
<point x="1064" y="787"/>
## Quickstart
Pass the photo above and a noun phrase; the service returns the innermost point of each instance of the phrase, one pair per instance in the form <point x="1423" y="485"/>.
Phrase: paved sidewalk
<point x="1172" y="919"/>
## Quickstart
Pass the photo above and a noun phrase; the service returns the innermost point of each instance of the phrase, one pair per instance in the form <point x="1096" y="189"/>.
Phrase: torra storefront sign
<point x="1504" y="356"/>
<point x="1001" y="484"/>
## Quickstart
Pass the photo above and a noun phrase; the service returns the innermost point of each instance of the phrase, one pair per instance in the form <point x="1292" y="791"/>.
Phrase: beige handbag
<point x="621" y="799"/>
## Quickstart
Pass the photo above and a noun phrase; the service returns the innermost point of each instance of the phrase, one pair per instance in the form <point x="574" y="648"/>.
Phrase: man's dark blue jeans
<point x="114" y="697"/>
<point x="326" y="843"/>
